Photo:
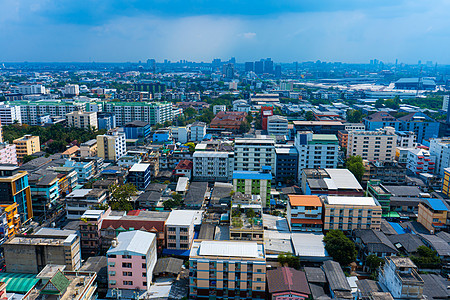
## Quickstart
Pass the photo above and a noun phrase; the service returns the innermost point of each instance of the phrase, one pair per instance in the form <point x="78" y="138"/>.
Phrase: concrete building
<point x="349" y="127"/>
<point x="337" y="182"/>
<point x="254" y="183"/>
<point x="277" y="125"/>
<point x="81" y="200"/>
<point x="90" y="226"/>
<point x="380" y="120"/>
<point x="31" y="253"/>
<point x="85" y="169"/>
<point x="150" y="112"/>
<point x="27" y="145"/>
<point x="304" y="213"/>
<point x="420" y="161"/>
<point x="441" y="149"/>
<point x="216" y="267"/>
<point x="88" y="149"/>
<point x="286" y="163"/>
<point x="217" y="108"/>
<point x="112" y="145"/>
<point x="399" y="276"/>
<point x="80" y="119"/>
<point x="16" y="189"/>
<point x="406" y="139"/>
<point x="137" y="130"/>
<point x="433" y="214"/>
<point x="316" y="150"/>
<point x="131" y="260"/>
<point x="198" y="131"/>
<point x="422" y="125"/>
<point x="71" y="90"/>
<point x="44" y="193"/>
<point x="180" y="229"/>
<point x="140" y="175"/>
<point x="213" y="165"/>
<point x="9" y="221"/>
<point x="241" y="106"/>
<point x="348" y="213"/>
<point x="8" y="154"/>
<point x="372" y="145"/>
<point x="246" y="222"/>
<point x="228" y="120"/>
<point x="181" y="134"/>
<point x="446" y="182"/>
<point x="9" y="114"/>
<point x="106" y="120"/>
<point x="250" y="154"/>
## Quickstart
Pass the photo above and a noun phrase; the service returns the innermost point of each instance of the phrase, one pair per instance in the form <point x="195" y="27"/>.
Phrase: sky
<point x="353" y="31"/>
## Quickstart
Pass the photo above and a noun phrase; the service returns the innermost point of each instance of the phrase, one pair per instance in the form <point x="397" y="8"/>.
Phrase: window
<point x="127" y="273"/>
<point x="144" y="266"/>
<point x="126" y="256"/>
<point x="112" y="256"/>
<point x="144" y="283"/>
<point x="126" y="265"/>
<point x="127" y="282"/>
<point x="144" y="274"/>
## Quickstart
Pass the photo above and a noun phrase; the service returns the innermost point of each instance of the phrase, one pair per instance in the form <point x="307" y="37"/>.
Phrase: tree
<point x="189" y="112"/>
<point x="289" y="259"/>
<point x="426" y="258"/>
<point x="249" y="118"/>
<point x="27" y="158"/>
<point x="121" y="196"/>
<point x="379" y="103"/>
<point x="191" y="146"/>
<point x="355" y="165"/>
<point x="206" y="116"/>
<point x="176" y="201"/>
<point x="244" y="127"/>
<point x="391" y="104"/>
<point x="340" y="247"/>
<point x="354" y="116"/>
<point x="373" y="261"/>
<point x="309" y="116"/>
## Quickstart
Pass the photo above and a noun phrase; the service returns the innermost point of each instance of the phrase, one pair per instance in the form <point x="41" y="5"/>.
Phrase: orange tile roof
<point x="304" y="200"/>
<point x="306" y="221"/>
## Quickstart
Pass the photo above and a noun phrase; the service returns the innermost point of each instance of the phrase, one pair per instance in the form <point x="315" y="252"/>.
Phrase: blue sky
<point x="200" y="30"/>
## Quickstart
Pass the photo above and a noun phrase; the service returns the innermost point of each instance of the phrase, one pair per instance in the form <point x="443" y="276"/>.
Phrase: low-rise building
<point x="82" y="119"/>
<point x="253" y="183"/>
<point x="338" y="182"/>
<point x="90" y="225"/>
<point x="227" y="269"/>
<point x="286" y="163"/>
<point x="388" y="172"/>
<point x="88" y="149"/>
<point x="304" y="213"/>
<point x="399" y="276"/>
<point x="420" y="161"/>
<point x="81" y="200"/>
<point x="433" y="214"/>
<point x="246" y="221"/>
<point x="184" y="169"/>
<point x="287" y="282"/>
<point x="27" y="145"/>
<point x="139" y="175"/>
<point x="180" y="229"/>
<point x="137" y="130"/>
<point x="349" y="213"/>
<point x="8" y="153"/>
<point x="446" y="182"/>
<point x="9" y="221"/>
<point x="131" y="260"/>
<point x="337" y="282"/>
<point x="277" y="125"/>
<point x="229" y="120"/>
<point x="85" y="169"/>
<point x="198" y="131"/>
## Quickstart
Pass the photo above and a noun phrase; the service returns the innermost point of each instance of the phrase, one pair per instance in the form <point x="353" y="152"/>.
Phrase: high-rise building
<point x="71" y="90"/>
<point x="81" y="119"/>
<point x="112" y="145"/>
<point x="440" y="148"/>
<point x="249" y="66"/>
<point x="278" y="71"/>
<point x="259" y="67"/>
<point x="373" y="145"/>
<point x="268" y="66"/>
<point x="251" y="154"/>
<point x="10" y="114"/>
<point x="213" y="165"/>
<point x="228" y="71"/>
<point x="150" y="112"/>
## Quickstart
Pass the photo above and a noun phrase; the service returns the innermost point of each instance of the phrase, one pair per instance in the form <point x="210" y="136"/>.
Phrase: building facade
<point x="150" y="112"/>
<point x="112" y="145"/>
<point x="304" y="213"/>
<point x="81" y="200"/>
<point x="254" y="183"/>
<point x="420" y="161"/>
<point x="277" y="125"/>
<point x="80" y="119"/>
<point x="372" y="145"/>
<point x="286" y="163"/>
<point x="213" y="165"/>
<point x="252" y="153"/>
<point x="433" y="214"/>
<point x="140" y="175"/>
<point x="441" y="149"/>
<point x="8" y="154"/>
<point x="27" y="145"/>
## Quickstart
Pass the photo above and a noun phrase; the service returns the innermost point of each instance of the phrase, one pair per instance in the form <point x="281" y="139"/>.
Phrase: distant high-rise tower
<point x="228" y="71"/>
<point x="268" y="66"/>
<point x="151" y="64"/>
<point x="249" y="66"/>
<point x="278" y="71"/>
<point x="259" y="67"/>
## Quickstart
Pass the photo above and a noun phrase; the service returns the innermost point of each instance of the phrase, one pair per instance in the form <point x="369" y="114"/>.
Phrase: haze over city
<point x="286" y="31"/>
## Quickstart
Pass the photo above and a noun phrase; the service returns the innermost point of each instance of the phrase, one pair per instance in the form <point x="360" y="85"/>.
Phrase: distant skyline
<point x="349" y="31"/>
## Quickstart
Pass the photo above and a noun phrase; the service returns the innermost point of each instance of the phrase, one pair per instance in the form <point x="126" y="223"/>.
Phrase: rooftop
<point x="345" y="200"/>
<point x="141" y="167"/>
<point x="181" y="217"/>
<point x="136" y="242"/>
<point x="304" y="200"/>
<point x="252" y="175"/>
<point x="228" y="249"/>
<point x="309" y="245"/>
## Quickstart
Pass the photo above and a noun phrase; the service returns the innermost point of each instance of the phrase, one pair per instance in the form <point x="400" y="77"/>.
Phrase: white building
<point x="72" y="89"/>
<point x="198" y="131"/>
<point x="29" y="89"/>
<point x="81" y="119"/>
<point x="445" y="102"/>
<point x="277" y="125"/>
<point x="31" y="111"/>
<point x="150" y="112"/>
<point x="213" y="165"/>
<point x="420" y="161"/>
<point x="251" y="154"/>
<point x="9" y="114"/>
<point x="180" y="228"/>
<point x="316" y="150"/>
<point x="8" y="154"/>
<point x="181" y="134"/>
<point x="241" y="105"/>
<point x="441" y="149"/>
<point x="81" y="200"/>
<point x="373" y="145"/>
<point x="218" y="108"/>
<point x="406" y="139"/>
<point x="349" y="127"/>
<point x="112" y="145"/>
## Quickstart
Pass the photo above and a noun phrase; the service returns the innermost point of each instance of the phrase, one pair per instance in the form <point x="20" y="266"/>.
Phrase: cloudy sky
<point x="200" y="30"/>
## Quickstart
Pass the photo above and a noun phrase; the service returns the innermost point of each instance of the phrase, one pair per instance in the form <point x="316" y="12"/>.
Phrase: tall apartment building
<point x="250" y="154"/>
<point x="277" y="125"/>
<point x="150" y="112"/>
<point x="71" y="90"/>
<point x="112" y="145"/>
<point x="8" y="153"/>
<point x="27" y="145"/>
<point x="180" y="229"/>
<point x="441" y="149"/>
<point x="348" y="213"/>
<point x="406" y="139"/>
<point x="80" y="119"/>
<point x="420" y="161"/>
<point x="90" y="236"/>
<point x="227" y="269"/>
<point x="9" y="114"/>
<point x="15" y="189"/>
<point x="316" y="150"/>
<point x="31" y="253"/>
<point x="139" y="175"/>
<point x="286" y="163"/>
<point x="198" y="131"/>
<point x="373" y="145"/>
<point x="29" y="89"/>
<point x="131" y="261"/>
<point x="213" y="165"/>
<point x="254" y="183"/>
<point x="106" y="120"/>
<point x="304" y="213"/>
<point x="422" y="125"/>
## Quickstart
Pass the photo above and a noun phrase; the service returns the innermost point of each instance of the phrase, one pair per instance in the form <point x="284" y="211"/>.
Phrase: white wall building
<point x="9" y="114"/>
<point x="277" y="125"/>
<point x="213" y="165"/>
<point x="112" y="145"/>
<point x="354" y="126"/>
<point x="420" y="161"/>
<point x="29" y="89"/>
<point x="250" y="154"/>
<point x="198" y="131"/>
<point x="406" y="139"/>
<point x="373" y="145"/>
<point x="150" y="112"/>
<point x="81" y="200"/>
<point x="81" y="119"/>
<point x="218" y="108"/>
<point x="8" y="154"/>
<point x="181" y="134"/>
<point x="241" y="105"/>
<point x="441" y="149"/>
<point x="445" y="102"/>
<point x="180" y="229"/>
<point x="72" y="89"/>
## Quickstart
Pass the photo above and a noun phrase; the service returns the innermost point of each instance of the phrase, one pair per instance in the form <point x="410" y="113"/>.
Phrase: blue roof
<point x="399" y="229"/>
<point x="437" y="204"/>
<point x="251" y="175"/>
<point x="176" y="252"/>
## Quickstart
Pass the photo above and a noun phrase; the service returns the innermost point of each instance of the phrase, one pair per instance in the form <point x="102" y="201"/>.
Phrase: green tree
<point x="354" y="116"/>
<point x="27" y="158"/>
<point x="121" y="196"/>
<point x="244" y="127"/>
<point x="340" y="247"/>
<point x="390" y="103"/>
<point x="206" y="116"/>
<point x="249" y="118"/>
<point x="289" y="259"/>
<point x="189" y="112"/>
<point x="176" y="201"/>
<point x="309" y="116"/>
<point x="426" y="258"/>
<point x="355" y="165"/>
<point x="373" y="261"/>
<point x="191" y="146"/>
<point x="379" y="103"/>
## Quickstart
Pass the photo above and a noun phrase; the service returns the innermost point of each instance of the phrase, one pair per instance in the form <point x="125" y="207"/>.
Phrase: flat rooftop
<point x="228" y="249"/>
<point x="344" y="200"/>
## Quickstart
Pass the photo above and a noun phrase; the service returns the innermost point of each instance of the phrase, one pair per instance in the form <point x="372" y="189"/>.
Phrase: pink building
<point x="8" y="154"/>
<point x="131" y="260"/>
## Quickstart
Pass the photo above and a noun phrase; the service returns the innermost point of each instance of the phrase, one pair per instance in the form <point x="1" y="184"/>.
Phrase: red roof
<point x="185" y="165"/>
<point x="306" y="221"/>
<point x="287" y="280"/>
<point x="148" y="225"/>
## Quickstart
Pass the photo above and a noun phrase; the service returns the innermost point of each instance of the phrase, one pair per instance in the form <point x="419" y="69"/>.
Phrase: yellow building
<point x="12" y="218"/>
<point x="349" y="213"/>
<point x="445" y="182"/>
<point x="111" y="146"/>
<point x="373" y="145"/>
<point x="82" y="119"/>
<point x="227" y="270"/>
<point x="27" y="145"/>
<point x="433" y="214"/>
